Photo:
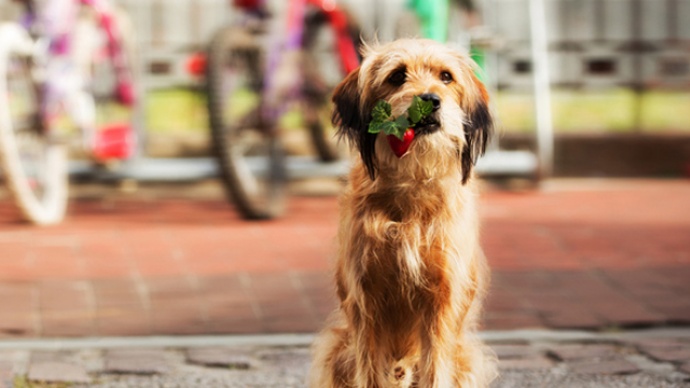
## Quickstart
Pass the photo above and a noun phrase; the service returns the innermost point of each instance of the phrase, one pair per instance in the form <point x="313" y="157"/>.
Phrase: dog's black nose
<point x="433" y="97"/>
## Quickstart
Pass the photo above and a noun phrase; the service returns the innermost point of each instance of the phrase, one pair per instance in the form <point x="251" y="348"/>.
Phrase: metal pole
<point x="542" y="92"/>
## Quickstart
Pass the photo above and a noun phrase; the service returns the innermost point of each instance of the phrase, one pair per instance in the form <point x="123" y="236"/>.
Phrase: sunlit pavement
<point x="579" y="254"/>
<point x="167" y="286"/>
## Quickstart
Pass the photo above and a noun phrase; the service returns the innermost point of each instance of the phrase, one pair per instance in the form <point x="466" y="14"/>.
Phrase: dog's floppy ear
<point x="352" y="122"/>
<point x="478" y="127"/>
<point x="347" y="115"/>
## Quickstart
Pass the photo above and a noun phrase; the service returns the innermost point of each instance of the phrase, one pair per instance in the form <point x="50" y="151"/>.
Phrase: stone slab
<point x="58" y="372"/>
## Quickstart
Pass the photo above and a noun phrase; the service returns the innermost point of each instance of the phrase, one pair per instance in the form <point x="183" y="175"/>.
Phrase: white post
<point x="542" y="92"/>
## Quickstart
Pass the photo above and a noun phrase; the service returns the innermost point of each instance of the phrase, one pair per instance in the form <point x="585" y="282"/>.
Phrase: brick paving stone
<point x="221" y="358"/>
<point x="297" y="324"/>
<point x="68" y="323"/>
<point x="16" y="323"/>
<point x="116" y="293"/>
<point x="187" y="319"/>
<point x="136" y="264"/>
<point x="572" y="316"/>
<point x="676" y="308"/>
<point x="135" y="324"/>
<point x="604" y="367"/>
<point x="57" y="372"/>
<point x="512" y="320"/>
<point x="571" y="352"/>
<point x="233" y="326"/>
<point x="61" y="295"/>
<point x="135" y="361"/>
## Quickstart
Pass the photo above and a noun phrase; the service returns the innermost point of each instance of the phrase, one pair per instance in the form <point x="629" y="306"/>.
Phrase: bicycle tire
<point x="33" y="162"/>
<point x="320" y="58"/>
<point x="248" y="151"/>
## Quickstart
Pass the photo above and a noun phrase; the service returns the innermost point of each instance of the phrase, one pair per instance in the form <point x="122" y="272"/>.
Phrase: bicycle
<point x="257" y="68"/>
<point x="63" y="59"/>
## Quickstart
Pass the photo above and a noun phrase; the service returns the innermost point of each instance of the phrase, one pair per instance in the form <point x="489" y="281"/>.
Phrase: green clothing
<point x="433" y="16"/>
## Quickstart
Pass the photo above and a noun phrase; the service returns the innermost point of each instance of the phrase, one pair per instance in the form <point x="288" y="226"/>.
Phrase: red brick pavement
<point x="582" y="255"/>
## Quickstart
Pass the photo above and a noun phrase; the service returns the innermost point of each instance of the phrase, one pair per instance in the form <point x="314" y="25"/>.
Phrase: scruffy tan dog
<point x="410" y="274"/>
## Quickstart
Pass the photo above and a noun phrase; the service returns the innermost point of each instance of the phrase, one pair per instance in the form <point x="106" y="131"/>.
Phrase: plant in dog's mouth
<point x="400" y="130"/>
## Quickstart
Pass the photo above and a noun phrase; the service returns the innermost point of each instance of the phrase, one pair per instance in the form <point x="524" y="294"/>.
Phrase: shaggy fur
<point x="410" y="274"/>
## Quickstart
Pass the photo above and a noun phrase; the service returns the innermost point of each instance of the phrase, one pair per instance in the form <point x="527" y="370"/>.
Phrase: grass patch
<point x="619" y="110"/>
<point x="23" y="382"/>
<point x="184" y="110"/>
<point x="175" y="110"/>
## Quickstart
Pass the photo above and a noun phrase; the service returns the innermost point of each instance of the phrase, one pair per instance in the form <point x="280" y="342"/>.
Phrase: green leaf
<point x="381" y="120"/>
<point x="419" y="109"/>
<point x="389" y="128"/>
<point x="402" y="124"/>
<point x="381" y="112"/>
<point x="374" y="127"/>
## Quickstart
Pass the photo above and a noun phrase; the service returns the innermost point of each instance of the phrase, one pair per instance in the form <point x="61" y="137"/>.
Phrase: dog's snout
<point x="433" y="97"/>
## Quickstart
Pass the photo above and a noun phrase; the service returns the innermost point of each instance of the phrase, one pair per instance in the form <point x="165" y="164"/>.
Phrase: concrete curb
<point x="307" y="339"/>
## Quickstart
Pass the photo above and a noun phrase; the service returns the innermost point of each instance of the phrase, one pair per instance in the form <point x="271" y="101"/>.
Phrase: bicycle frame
<point x="51" y="66"/>
<point x="282" y="61"/>
<point x="286" y="39"/>
<point x="59" y="45"/>
<point x="295" y="28"/>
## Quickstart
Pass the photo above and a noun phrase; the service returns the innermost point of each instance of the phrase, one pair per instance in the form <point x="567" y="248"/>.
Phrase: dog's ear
<point x="347" y="115"/>
<point x="352" y="122"/>
<point x="478" y="127"/>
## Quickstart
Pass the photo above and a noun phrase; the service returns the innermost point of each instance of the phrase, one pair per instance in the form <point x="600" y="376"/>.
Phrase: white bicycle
<point x="65" y="58"/>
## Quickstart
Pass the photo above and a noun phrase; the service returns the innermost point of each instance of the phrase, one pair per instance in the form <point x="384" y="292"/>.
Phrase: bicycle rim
<point x="34" y="165"/>
<point x="250" y="155"/>
<point x="323" y="70"/>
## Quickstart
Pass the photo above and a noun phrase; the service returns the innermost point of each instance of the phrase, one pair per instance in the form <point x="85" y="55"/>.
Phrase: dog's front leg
<point x="370" y="370"/>
<point x="450" y="356"/>
<point x="437" y="359"/>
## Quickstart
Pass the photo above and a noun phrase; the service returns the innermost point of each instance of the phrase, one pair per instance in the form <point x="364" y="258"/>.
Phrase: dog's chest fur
<point x="405" y="242"/>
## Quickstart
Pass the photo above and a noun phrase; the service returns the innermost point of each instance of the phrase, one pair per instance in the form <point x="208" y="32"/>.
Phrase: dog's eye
<point x="397" y="78"/>
<point x="446" y="77"/>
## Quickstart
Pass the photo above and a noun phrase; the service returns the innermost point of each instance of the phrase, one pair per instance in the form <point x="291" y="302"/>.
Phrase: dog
<point x="410" y="274"/>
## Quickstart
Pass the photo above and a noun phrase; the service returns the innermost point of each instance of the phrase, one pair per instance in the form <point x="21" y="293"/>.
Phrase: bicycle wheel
<point x="33" y="162"/>
<point x="105" y="107"/>
<point x="249" y="152"/>
<point x="323" y="70"/>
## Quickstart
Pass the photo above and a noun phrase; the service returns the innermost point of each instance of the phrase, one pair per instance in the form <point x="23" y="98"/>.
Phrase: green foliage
<point x="419" y="110"/>
<point x="381" y="120"/>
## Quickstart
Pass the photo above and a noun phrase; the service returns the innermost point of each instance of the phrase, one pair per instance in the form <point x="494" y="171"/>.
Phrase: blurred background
<point x="176" y="258"/>
<point x="619" y="72"/>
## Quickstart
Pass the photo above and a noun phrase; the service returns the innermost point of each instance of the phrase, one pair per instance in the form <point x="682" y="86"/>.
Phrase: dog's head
<point x="456" y="133"/>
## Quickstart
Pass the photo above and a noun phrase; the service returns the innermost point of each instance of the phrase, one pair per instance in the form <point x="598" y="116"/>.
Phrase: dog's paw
<point x="402" y="375"/>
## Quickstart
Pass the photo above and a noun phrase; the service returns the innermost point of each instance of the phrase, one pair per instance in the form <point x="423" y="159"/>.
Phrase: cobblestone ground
<point x="591" y="361"/>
